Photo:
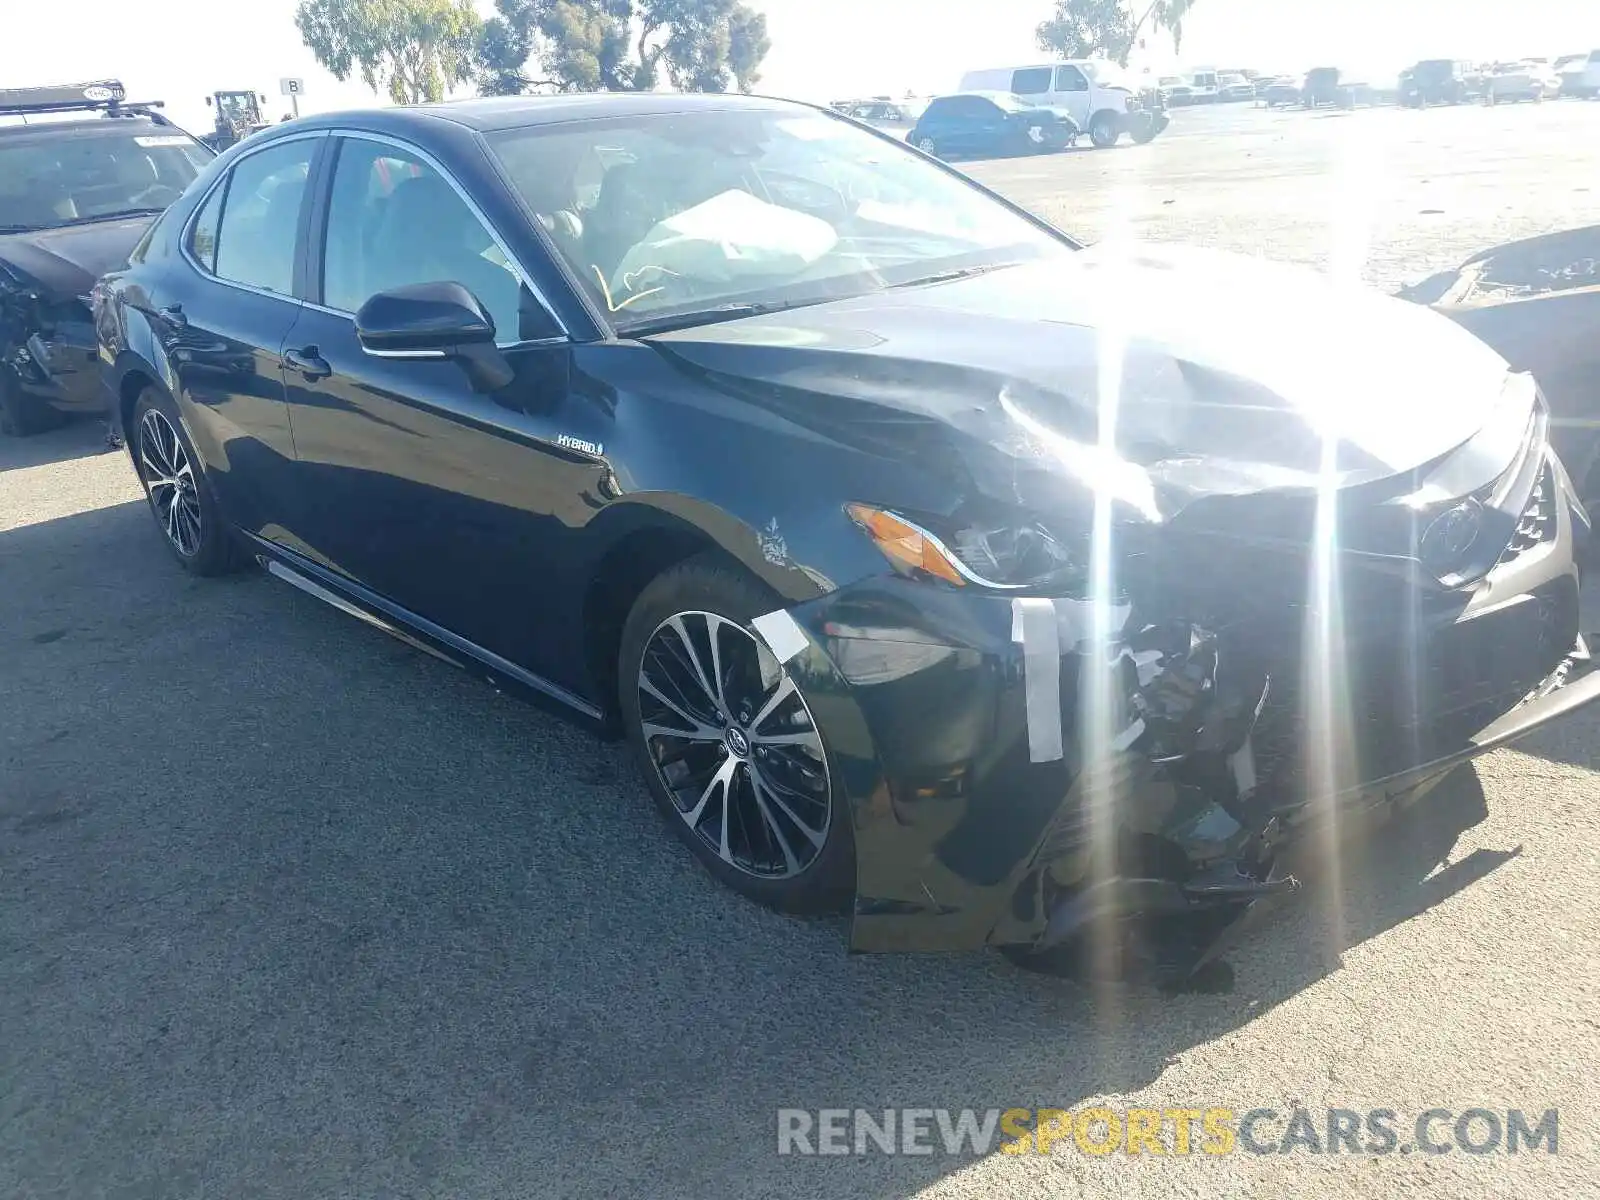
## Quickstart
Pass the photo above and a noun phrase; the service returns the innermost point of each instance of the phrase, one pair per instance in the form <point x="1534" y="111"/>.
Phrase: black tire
<point x="22" y="415"/>
<point x="702" y="586"/>
<point x="928" y="146"/>
<point x="204" y="545"/>
<point x="1144" y="133"/>
<point x="1104" y="130"/>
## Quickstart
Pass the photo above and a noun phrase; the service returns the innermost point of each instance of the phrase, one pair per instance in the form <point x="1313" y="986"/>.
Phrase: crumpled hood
<point x="1220" y="374"/>
<point x="68" y="260"/>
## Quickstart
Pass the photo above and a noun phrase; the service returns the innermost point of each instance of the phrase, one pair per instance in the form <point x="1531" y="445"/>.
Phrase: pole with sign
<point x="293" y="88"/>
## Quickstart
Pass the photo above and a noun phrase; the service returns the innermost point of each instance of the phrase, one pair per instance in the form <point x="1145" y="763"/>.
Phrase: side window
<point x="393" y="220"/>
<point x="940" y="110"/>
<point x="203" y="233"/>
<point x="255" y="242"/>
<point x="1070" y="79"/>
<point x="1034" y="81"/>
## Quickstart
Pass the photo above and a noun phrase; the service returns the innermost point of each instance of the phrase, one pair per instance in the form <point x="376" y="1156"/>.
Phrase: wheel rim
<point x="169" y="482"/>
<point x="734" y="744"/>
<point x="926" y="145"/>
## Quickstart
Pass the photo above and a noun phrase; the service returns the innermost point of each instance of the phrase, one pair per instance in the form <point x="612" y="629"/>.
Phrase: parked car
<point x="1204" y="85"/>
<point x="777" y="448"/>
<point x="990" y="124"/>
<point x="1098" y="97"/>
<point x="1580" y="74"/>
<point x="1537" y="302"/>
<point x="77" y="191"/>
<point x="1232" y="88"/>
<point x="880" y="114"/>
<point x="1321" y="87"/>
<point x="1434" y="81"/>
<point x="1278" y="89"/>
<point x="1175" y="91"/>
<point x="1512" y="82"/>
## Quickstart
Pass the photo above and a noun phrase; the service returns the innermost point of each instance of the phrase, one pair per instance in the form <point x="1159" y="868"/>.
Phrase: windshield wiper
<point x="116" y="215"/>
<point x="948" y="276"/>
<point x="667" y="322"/>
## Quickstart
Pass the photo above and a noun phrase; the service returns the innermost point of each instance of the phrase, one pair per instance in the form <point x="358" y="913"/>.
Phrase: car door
<point x="222" y="314"/>
<point x="1072" y="93"/>
<point x="460" y="508"/>
<point x="983" y="126"/>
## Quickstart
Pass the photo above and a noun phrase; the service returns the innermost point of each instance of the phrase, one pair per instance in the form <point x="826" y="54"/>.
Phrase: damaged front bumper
<point x="51" y="353"/>
<point x="1023" y="771"/>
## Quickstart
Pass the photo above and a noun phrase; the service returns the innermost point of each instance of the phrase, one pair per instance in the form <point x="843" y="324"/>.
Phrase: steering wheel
<point x="807" y="195"/>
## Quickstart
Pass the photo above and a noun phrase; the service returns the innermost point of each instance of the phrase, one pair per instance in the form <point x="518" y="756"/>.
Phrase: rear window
<point x="84" y="176"/>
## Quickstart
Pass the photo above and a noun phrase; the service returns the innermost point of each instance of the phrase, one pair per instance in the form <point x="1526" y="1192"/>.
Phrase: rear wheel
<point x="727" y="743"/>
<point x="175" y="485"/>
<point x="22" y="415"/>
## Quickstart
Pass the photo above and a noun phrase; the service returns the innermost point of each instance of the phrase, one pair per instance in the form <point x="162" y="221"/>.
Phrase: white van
<point x="1205" y="85"/>
<point x="1091" y="90"/>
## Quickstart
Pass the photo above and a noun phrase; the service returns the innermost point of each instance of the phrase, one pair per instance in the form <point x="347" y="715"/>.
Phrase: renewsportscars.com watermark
<point x="1100" y="1130"/>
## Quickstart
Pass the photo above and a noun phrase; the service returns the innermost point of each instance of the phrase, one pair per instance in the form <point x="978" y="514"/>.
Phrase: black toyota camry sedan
<point x="999" y="590"/>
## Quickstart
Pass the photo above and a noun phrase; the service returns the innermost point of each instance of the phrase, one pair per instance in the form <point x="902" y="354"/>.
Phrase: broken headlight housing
<point x="1005" y="555"/>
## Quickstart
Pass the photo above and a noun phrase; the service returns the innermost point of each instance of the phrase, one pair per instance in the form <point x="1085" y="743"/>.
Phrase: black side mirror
<point x="434" y="320"/>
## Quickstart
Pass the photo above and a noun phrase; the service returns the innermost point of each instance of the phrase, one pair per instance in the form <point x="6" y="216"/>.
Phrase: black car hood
<point x="68" y="260"/>
<point x="1222" y="375"/>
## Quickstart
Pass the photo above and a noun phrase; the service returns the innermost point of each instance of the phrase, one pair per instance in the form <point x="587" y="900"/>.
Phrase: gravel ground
<point x="290" y="910"/>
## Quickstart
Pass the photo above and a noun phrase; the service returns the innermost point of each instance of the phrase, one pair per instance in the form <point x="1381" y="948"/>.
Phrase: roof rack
<point x="104" y="96"/>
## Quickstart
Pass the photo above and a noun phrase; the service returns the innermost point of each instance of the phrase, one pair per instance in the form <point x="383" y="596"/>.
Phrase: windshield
<point x="71" y="177"/>
<point x="688" y="213"/>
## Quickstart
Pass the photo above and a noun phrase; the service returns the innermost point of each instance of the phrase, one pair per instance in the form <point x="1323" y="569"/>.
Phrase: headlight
<point x="1001" y="555"/>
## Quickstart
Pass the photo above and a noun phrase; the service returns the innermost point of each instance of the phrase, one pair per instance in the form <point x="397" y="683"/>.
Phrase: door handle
<point x="308" y="362"/>
<point x="173" y="314"/>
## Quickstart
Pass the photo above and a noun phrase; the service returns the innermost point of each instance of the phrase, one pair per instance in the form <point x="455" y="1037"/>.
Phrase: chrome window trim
<point x="185" y="234"/>
<point x="517" y="268"/>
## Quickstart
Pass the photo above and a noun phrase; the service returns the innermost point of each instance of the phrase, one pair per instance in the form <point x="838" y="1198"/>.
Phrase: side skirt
<point x="421" y="633"/>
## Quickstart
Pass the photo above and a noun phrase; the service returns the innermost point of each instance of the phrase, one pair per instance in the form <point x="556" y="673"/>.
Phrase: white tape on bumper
<point x="1034" y="625"/>
<point x="782" y="633"/>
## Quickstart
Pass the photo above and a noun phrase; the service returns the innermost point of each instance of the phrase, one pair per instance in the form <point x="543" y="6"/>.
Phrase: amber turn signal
<point x="903" y="543"/>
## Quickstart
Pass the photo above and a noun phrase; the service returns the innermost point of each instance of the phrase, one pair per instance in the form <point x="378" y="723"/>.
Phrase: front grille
<point x="1537" y="524"/>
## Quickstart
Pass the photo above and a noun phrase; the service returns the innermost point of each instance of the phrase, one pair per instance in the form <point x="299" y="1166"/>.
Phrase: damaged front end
<point x="1110" y="783"/>
<point x="48" y="349"/>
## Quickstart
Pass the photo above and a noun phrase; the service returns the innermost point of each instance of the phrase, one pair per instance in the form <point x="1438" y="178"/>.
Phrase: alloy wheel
<point x="735" y="745"/>
<point x="169" y="478"/>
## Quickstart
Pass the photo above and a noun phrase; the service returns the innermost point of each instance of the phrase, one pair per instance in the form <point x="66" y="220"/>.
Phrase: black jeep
<point x="77" y="191"/>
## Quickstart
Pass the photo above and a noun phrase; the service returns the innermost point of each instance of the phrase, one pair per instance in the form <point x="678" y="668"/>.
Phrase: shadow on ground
<point x="288" y="909"/>
<point x="79" y="438"/>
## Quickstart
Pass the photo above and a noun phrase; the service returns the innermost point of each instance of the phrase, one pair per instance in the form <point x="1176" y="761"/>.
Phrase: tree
<point x="413" y="49"/>
<point x="621" y="45"/>
<point x="1084" y="28"/>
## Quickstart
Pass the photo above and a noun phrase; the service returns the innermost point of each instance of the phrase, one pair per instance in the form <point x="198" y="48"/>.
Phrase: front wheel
<point x="928" y="146"/>
<point x="1104" y="131"/>
<point x="730" y="751"/>
<point x="22" y="415"/>
<point x="176" y="488"/>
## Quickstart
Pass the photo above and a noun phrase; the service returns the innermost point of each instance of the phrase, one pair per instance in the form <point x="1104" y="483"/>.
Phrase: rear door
<point x="461" y="508"/>
<point x="222" y="316"/>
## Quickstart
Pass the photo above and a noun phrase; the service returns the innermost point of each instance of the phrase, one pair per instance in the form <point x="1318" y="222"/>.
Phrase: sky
<point x="182" y="50"/>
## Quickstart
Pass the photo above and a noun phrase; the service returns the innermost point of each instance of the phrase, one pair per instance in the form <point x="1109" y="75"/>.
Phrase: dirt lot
<point x="290" y="910"/>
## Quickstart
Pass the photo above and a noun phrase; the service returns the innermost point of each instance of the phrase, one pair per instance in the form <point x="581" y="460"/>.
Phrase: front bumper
<point x="61" y="369"/>
<point x="1171" y="780"/>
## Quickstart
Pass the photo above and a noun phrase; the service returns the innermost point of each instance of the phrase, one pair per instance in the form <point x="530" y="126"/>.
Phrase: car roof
<point x="85" y="126"/>
<point x="489" y="113"/>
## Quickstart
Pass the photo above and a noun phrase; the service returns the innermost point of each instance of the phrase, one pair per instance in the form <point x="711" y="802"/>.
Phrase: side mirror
<point x="434" y="320"/>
